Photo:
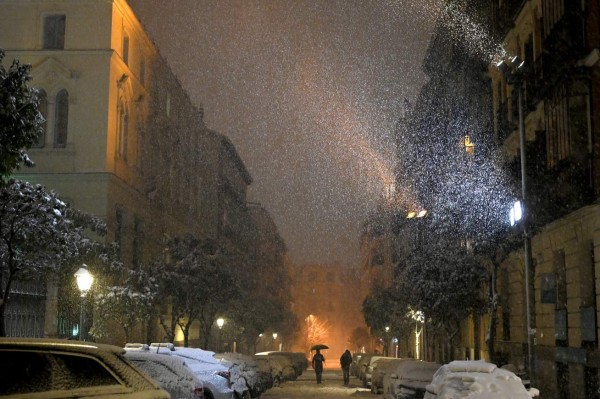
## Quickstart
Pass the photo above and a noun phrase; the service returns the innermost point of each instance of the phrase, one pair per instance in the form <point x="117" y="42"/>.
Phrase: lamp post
<point x="512" y="69"/>
<point x="275" y="339"/>
<point x="84" y="283"/>
<point x="386" y="342"/>
<point x="220" y="323"/>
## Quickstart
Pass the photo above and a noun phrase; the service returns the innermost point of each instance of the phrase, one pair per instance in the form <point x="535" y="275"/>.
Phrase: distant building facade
<point x="122" y="139"/>
<point x="327" y="306"/>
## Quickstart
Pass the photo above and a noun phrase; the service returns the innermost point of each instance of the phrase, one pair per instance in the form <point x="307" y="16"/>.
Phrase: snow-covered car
<point x="380" y="369"/>
<point x="52" y="368"/>
<point x="354" y="365"/>
<point x="366" y="376"/>
<point x="366" y="366"/>
<point x="363" y="363"/>
<point x="170" y="372"/>
<point x="136" y="347"/>
<point x="281" y="367"/>
<point x="217" y="380"/>
<point x="258" y="380"/>
<point x="297" y="359"/>
<point x="407" y="378"/>
<point x="477" y="380"/>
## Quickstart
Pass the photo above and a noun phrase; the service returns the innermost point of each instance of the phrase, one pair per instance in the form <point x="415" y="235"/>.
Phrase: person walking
<point x="345" y="362"/>
<point x="317" y="364"/>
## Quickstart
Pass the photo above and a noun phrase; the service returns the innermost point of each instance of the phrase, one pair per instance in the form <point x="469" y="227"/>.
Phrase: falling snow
<point x="309" y="92"/>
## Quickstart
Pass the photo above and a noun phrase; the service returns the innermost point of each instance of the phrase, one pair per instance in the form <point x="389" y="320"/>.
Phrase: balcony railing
<point x="564" y="44"/>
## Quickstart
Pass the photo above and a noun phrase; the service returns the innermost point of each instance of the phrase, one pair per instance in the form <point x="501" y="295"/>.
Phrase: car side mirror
<point x="394" y="376"/>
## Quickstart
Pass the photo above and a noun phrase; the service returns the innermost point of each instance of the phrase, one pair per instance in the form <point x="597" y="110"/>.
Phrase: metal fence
<point x="25" y="311"/>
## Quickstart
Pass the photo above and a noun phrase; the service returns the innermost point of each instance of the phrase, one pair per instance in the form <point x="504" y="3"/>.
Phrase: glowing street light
<point x="84" y="283"/>
<point x="516" y="213"/>
<point x="220" y="324"/>
<point x="513" y="71"/>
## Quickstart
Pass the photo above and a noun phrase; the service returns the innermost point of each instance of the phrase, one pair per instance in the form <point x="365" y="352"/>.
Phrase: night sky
<point x="309" y="93"/>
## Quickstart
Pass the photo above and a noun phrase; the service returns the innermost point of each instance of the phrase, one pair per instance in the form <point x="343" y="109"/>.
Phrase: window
<point x="552" y="12"/>
<point x="560" y="271"/>
<point x="137" y="241"/>
<point x="557" y="126"/>
<point x="123" y="131"/>
<point x="30" y="372"/>
<point x="43" y="107"/>
<point x="54" y="32"/>
<point x="61" y="119"/>
<point x="142" y="76"/>
<point x="126" y="49"/>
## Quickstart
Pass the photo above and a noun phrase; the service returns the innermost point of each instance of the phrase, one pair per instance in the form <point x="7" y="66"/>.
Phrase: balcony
<point x="558" y="191"/>
<point x="563" y="45"/>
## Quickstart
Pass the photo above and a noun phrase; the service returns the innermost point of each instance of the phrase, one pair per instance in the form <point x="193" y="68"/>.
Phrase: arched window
<point x="61" y="120"/>
<point x="43" y="107"/>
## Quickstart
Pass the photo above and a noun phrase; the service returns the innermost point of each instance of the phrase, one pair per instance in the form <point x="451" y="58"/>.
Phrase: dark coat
<point x="346" y="359"/>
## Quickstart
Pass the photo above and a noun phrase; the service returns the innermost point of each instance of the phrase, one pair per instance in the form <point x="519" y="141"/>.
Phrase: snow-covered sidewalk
<point x="306" y="386"/>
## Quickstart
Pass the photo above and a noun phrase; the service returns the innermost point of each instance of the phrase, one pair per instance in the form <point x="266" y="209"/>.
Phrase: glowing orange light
<point x="469" y="145"/>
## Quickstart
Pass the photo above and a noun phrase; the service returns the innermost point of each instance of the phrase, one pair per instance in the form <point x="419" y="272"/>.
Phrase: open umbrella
<point x="319" y="347"/>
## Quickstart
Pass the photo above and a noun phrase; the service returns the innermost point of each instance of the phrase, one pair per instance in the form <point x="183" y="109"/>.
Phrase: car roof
<point x="58" y="344"/>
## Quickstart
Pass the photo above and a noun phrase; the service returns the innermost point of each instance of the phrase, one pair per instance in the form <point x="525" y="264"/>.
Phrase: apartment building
<point x="122" y="139"/>
<point x="560" y="103"/>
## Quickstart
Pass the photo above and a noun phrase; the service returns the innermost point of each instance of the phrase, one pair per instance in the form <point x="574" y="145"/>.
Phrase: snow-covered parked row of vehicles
<point x="283" y="366"/>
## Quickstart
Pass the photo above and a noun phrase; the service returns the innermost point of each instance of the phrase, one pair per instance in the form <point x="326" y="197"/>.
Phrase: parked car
<point x="258" y="380"/>
<point x="476" y="379"/>
<point x="217" y="380"/>
<point x="171" y="373"/>
<point x="367" y="368"/>
<point x="297" y="359"/>
<point x="379" y="371"/>
<point x="282" y="365"/>
<point x="363" y="362"/>
<point x="52" y="368"/>
<point x="354" y="365"/>
<point x="408" y="378"/>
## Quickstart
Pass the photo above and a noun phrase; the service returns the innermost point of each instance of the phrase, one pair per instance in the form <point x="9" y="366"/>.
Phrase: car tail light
<point x="199" y="393"/>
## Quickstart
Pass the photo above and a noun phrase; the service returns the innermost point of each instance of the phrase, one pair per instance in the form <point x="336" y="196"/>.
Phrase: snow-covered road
<point x="332" y="387"/>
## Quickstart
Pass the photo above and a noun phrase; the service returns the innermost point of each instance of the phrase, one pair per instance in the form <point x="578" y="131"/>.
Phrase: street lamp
<point x="512" y="69"/>
<point x="220" y="323"/>
<point x="385" y="346"/>
<point x="275" y="338"/>
<point x="84" y="283"/>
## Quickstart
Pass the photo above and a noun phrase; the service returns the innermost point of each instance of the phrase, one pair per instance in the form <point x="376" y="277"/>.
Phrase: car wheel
<point x="373" y="388"/>
<point x="208" y="394"/>
<point x="276" y="381"/>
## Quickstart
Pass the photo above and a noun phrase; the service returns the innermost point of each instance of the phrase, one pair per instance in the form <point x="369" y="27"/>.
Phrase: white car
<point x="171" y="373"/>
<point x="214" y="375"/>
<point x="476" y="380"/>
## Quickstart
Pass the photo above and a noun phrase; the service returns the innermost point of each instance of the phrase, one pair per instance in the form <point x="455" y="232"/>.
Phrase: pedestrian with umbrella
<point x="318" y="360"/>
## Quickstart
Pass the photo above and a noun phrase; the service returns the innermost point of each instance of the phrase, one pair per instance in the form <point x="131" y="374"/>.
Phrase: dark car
<point x="52" y="368"/>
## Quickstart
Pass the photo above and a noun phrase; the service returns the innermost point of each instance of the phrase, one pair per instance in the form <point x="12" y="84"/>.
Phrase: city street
<point x="306" y="387"/>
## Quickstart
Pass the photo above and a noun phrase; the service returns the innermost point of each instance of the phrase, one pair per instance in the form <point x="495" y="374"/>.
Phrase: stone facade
<point x="559" y="42"/>
<point x="123" y="140"/>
